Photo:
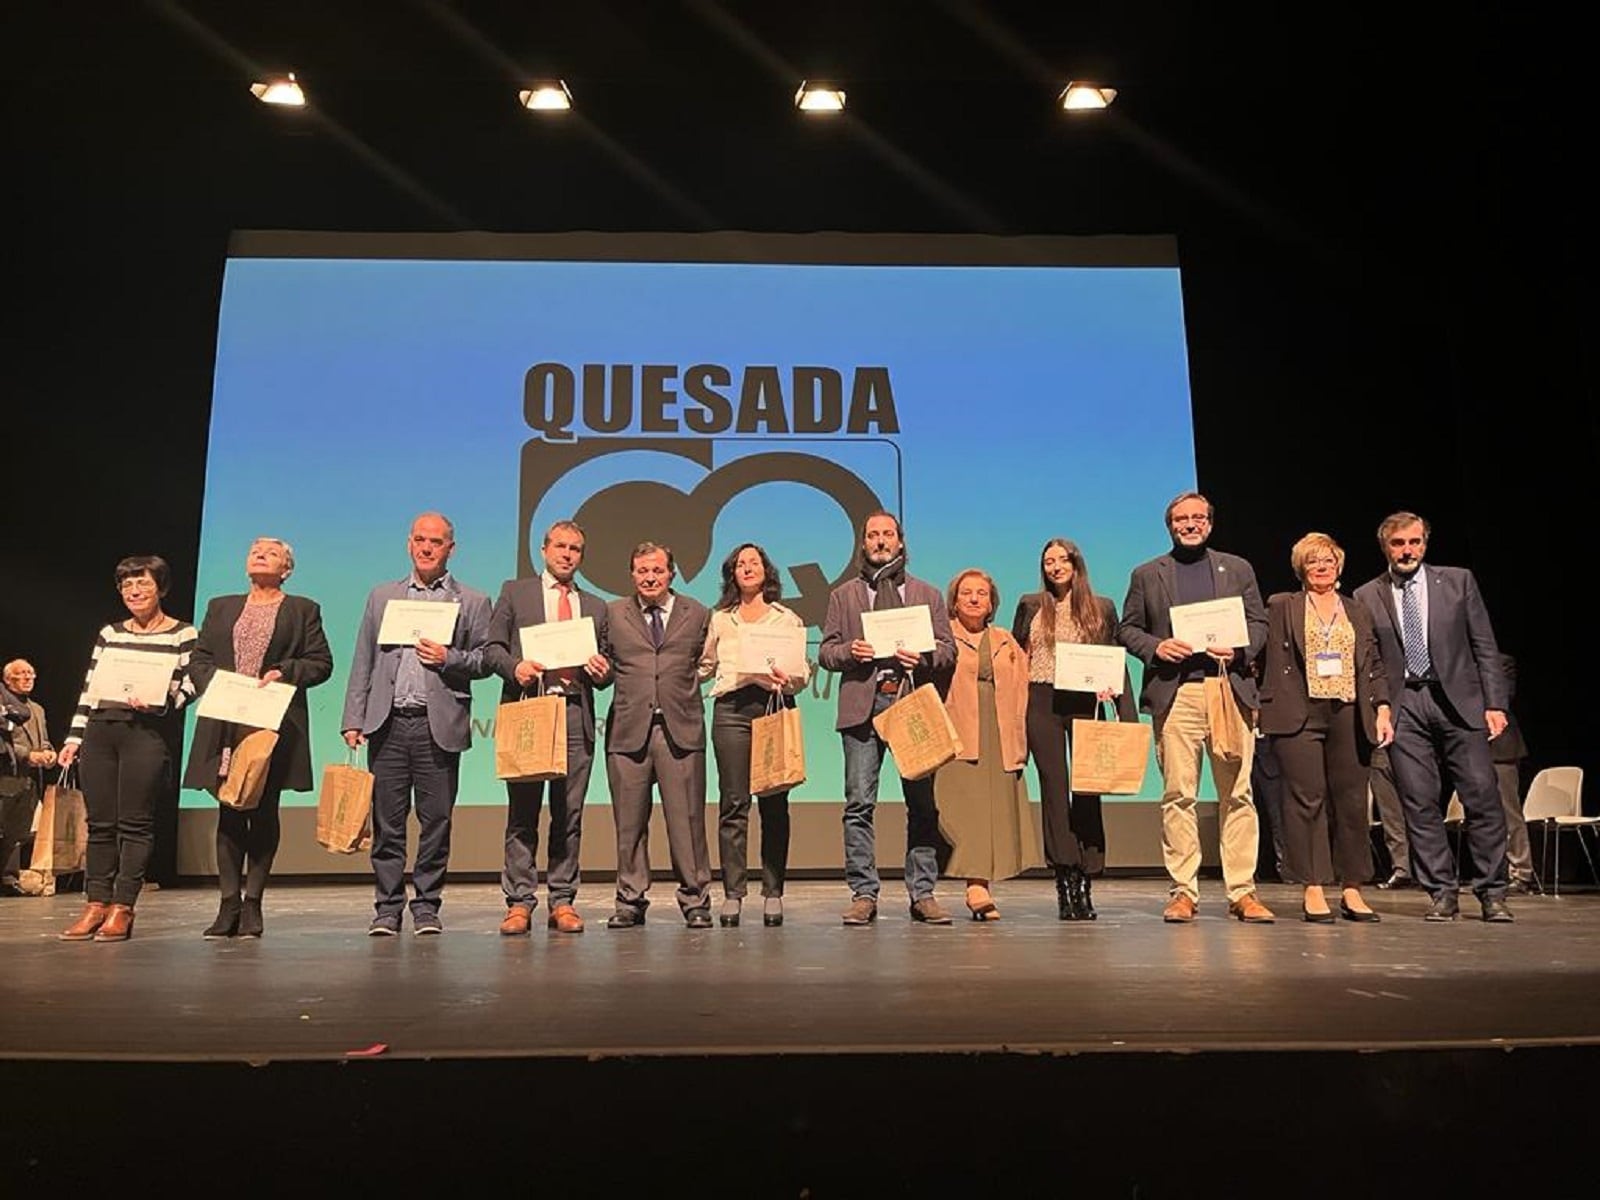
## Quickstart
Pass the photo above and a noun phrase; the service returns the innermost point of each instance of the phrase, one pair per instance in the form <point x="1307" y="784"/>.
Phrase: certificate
<point x="245" y="701"/>
<point x="1093" y="669"/>
<point x="406" y="622"/>
<point x="1211" y="624"/>
<point x="122" y="674"/>
<point x="892" y="629"/>
<point x="763" y="647"/>
<point x="559" y="643"/>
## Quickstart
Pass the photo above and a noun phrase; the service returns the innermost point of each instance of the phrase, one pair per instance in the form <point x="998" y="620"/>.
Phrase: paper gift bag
<point x="1227" y="724"/>
<point x="530" y="739"/>
<point x="61" y="842"/>
<point x="344" y="808"/>
<point x="777" y="750"/>
<point x="920" y="734"/>
<point x="246" y="779"/>
<point x="1109" y="757"/>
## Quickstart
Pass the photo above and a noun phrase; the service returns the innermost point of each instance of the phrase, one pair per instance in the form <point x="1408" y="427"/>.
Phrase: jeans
<point x="863" y="763"/>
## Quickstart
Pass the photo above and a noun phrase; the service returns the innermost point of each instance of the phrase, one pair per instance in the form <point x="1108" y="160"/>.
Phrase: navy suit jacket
<point x="521" y="603"/>
<point x="1461" y="642"/>
<point x="843" y="626"/>
<point x="369" y="696"/>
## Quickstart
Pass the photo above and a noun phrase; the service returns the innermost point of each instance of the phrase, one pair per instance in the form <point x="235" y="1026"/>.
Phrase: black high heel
<point x="772" y="912"/>
<point x="1355" y="914"/>
<point x="728" y="918"/>
<point x="1316" y="918"/>
<point x="227" y="923"/>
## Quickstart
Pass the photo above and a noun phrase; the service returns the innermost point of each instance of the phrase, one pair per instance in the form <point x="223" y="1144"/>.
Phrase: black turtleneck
<point x="1194" y="582"/>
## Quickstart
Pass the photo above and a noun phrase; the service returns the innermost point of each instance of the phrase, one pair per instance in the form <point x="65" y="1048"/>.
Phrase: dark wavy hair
<point x="1080" y="598"/>
<point x="771" y="586"/>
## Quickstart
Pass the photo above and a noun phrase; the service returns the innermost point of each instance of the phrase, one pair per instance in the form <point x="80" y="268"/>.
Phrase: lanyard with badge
<point x="1329" y="662"/>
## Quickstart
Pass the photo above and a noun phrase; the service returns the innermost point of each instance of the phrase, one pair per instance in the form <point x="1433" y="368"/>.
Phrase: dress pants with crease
<point x="519" y="879"/>
<point x="681" y="776"/>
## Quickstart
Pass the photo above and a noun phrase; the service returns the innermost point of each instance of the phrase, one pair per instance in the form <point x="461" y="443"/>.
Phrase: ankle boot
<point x="250" y="923"/>
<point x="118" y="925"/>
<point x="1078" y="888"/>
<point x="227" y="923"/>
<point x="1065" y="910"/>
<point x="90" y="920"/>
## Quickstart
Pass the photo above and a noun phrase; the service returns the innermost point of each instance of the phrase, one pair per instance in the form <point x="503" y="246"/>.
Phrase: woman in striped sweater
<point x="120" y="746"/>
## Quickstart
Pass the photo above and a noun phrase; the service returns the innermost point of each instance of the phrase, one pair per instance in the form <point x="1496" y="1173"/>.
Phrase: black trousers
<point x="1325" y="797"/>
<point x="247" y="840"/>
<point x="1074" y="830"/>
<point x="125" y="768"/>
<point x="731" y="715"/>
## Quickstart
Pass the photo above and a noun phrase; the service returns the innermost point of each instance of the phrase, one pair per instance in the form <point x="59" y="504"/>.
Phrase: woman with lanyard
<point x="1325" y="704"/>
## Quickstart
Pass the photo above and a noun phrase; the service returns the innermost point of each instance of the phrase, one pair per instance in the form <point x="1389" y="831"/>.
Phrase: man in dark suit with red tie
<point x="551" y="595"/>
<point x="1451" y="695"/>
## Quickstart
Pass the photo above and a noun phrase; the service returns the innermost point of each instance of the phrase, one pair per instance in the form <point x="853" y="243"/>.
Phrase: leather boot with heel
<point x="227" y="923"/>
<point x="118" y="925"/>
<point x="1064" y="906"/>
<point x="87" y="924"/>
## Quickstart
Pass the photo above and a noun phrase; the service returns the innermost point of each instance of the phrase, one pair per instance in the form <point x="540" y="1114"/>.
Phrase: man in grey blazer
<point x="1435" y="635"/>
<point x="656" y="736"/>
<point x="867" y="686"/>
<point x="552" y="595"/>
<point x="1174" y="694"/>
<point x="413" y="703"/>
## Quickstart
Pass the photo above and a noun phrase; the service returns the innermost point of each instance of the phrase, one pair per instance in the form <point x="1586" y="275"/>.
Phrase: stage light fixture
<point x="279" y="89"/>
<point x="1082" y="96"/>
<point x="546" y="95"/>
<point x="817" y="97"/>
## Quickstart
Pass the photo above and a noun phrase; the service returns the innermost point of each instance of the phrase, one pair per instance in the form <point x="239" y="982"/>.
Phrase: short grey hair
<point x="288" y="552"/>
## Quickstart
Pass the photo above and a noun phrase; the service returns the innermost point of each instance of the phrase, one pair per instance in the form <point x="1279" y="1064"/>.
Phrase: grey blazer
<point x="1461" y="641"/>
<point x="369" y="696"/>
<point x="521" y="603"/>
<point x="648" y="679"/>
<point x="843" y="625"/>
<point x="1147" y="622"/>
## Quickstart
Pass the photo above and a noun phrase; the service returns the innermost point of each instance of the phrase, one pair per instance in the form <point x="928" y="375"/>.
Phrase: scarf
<point x="885" y="581"/>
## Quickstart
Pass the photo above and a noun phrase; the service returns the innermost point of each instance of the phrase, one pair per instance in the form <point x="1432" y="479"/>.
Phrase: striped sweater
<point x="178" y="640"/>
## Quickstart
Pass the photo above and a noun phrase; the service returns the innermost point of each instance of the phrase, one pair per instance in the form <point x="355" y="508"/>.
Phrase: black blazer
<point x="1284" y="698"/>
<point x="298" y="648"/>
<point x="521" y="603"/>
<point x="1022" y="626"/>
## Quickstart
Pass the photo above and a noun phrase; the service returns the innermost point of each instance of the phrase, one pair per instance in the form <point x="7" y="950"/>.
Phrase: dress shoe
<point x="227" y="923"/>
<point x="1528" y="886"/>
<point x="518" y="920"/>
<point x="250" y="923"/>
<point x="118" y="925"/>
<point x="426" y="924"/>
<point x="90" y="920"/>
<point x="728" y="918"/>
<point x="1358" y="914"/>
<point x="1325" y="917"/>
<point x="1249" y="909"/>
<point x="1397" y="881"/>
<point x="565" y="919"/>
<point x="1180" y="910"/>
<point x="1445" y="907"/>
<point x="384" y="925"/>
<point x="772" y="911"/>
<point x="928" y="911"/>
<point x="1494" y="909"/>
<point x="863" y="910"/>
<point x="697" y="918"/>
<point x="625" y="918"/>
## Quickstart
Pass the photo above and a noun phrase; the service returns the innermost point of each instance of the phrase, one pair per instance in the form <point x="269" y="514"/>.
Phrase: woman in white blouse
<point x="750" y="590"/>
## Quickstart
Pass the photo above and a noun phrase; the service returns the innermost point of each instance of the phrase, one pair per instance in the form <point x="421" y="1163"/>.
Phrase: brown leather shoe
<point x="82" y="930"/>
<point x="863" y="910"/>
<point x="519" y="919"/>
<point x="928" y="911"/>
<point x="1250" y="910"/>
<point x="565" y="919"/>
<point x="1180" y="910"/>
<point x="118" y="925"/>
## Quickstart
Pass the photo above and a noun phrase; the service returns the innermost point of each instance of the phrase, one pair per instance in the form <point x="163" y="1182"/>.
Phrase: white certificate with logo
<point x="559" y="643"/>
<point x="763" y="647"/>
<point x="121" y="674"/>
<point x="1211" y="624"/>
<point x="406" y="622"/>
<point x="909" y="628"/>
<point x="245" y="701"/>
<point x="1094" y="669"/>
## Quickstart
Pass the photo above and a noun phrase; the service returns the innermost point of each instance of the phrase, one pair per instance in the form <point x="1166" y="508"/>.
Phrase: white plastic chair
<point x="1555" y="800"/>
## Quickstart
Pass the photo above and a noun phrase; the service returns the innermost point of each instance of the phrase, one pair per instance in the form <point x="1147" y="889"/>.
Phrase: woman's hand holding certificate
<point x="245" y="701"/>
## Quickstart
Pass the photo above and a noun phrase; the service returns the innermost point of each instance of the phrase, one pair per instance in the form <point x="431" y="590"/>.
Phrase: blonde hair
<point x="1311" y="544"/>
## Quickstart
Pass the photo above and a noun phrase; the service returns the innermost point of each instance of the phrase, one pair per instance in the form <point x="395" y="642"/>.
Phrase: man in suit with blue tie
<point x="551" y="595"/>
<point x="1434" y="632"/>
<point x="413" y="704"/>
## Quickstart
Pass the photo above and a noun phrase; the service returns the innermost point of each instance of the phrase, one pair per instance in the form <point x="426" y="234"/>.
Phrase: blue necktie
<point x="1418" y="665"/>
<point x="655" y="625"/>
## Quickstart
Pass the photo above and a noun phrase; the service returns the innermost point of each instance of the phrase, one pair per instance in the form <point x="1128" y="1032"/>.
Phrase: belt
<point x="410" y="710"/>
<point x="889" y="686"/>
<point x="1416" y="685"/>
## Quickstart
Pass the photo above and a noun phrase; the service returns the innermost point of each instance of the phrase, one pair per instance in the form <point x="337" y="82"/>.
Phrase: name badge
<point x="1329" y="663"/>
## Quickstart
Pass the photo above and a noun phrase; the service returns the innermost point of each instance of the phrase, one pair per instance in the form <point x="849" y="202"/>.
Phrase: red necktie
<point x="567" y="677"/>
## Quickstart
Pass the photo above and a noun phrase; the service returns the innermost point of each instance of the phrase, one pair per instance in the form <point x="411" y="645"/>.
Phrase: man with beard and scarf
<point x="867" y="686"/>
<point x="1434" y="633"/>
<point x="1174" y="694"/>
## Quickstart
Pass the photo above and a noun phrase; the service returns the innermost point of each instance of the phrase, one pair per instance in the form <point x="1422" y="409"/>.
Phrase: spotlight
<point x="1082" y="96"/>
<point x="546" y="95"/>
<point x="279" y="89"/>
<point x="819" y="98"/>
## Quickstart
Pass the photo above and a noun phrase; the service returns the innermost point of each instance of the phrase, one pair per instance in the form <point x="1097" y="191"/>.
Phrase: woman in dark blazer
<point x="1325" y="705"/>
<point x="275" y="637"/>
<point x="1066" y="610"/>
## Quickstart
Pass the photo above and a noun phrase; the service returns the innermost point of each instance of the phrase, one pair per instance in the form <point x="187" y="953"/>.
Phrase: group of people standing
<point x="1408" y="663"/>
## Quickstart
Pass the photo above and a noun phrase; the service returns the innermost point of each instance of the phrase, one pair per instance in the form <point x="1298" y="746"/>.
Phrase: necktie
<point x="1418" y="665"/>
<point x="656" y="631"/>
<point x="566" y="677"/>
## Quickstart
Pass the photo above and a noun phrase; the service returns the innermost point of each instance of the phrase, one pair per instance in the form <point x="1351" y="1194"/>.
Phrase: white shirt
<point x="1399" y="589"/>
<point x="721" y="654"/>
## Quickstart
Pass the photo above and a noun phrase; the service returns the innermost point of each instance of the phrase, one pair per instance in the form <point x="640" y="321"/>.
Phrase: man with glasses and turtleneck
<point x="867" y="686"/>
<point x="1174" y="694"/>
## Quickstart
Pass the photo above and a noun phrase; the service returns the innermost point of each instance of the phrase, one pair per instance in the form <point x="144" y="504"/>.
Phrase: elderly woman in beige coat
<point x="982" y="798"/>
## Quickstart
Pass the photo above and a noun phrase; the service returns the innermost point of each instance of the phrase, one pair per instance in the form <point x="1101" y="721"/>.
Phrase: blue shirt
<point x="410" y="678"/>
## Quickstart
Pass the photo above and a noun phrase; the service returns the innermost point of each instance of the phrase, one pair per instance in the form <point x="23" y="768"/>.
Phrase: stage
<point x="811" y="1058"/>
